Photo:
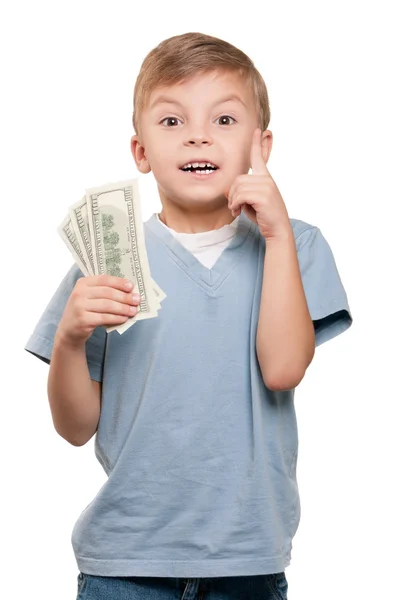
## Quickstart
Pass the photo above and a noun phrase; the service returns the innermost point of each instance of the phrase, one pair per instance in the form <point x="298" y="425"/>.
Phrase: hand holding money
<point x="96" y="300"/>
<point x="105" y="234"/>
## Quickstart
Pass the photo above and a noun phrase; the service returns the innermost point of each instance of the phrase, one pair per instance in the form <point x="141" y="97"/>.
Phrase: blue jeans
<point x="253" y="587"/>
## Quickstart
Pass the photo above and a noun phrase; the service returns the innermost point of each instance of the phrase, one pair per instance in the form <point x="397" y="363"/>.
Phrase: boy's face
<point x="209" y="118"/>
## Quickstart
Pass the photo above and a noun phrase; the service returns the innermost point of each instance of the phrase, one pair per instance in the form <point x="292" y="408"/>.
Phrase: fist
<point x="96" y="300"/>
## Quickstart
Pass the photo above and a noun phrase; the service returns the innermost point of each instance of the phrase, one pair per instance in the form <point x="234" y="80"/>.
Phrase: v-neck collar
<point x="208" y="279"/>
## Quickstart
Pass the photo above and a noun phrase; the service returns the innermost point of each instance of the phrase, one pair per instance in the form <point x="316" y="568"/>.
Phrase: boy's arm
<point x="285" y="335"/>
<point x="285" y="339"/>
<point x="75" y="399"/>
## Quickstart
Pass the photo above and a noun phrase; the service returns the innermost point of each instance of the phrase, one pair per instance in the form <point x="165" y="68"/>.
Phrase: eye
<point x="226" y="117"/>
<point x="169" y="119"/>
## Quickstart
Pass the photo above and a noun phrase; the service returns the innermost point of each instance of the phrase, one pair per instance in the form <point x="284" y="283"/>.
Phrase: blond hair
<point x="183" y="56"/>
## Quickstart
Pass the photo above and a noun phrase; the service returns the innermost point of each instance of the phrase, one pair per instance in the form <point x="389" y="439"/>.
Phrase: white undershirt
<point x="207" y="245"/>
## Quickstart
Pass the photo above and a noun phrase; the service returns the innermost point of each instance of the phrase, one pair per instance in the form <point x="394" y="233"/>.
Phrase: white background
<point x="67" y="77"/>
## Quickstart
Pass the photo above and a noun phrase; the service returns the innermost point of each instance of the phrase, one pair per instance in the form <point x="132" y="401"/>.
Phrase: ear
<point x="266" y="144"/>
<point x="138" y="152"/>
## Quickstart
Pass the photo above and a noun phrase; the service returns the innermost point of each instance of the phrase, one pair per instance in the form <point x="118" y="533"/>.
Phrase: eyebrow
<point x="170" y="100"/>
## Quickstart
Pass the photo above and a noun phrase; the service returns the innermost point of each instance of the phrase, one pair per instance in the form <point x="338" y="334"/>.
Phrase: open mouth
<point x="200" y="168"/>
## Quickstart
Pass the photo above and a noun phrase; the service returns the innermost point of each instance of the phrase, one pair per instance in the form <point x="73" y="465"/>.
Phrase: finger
<point x="237" y="182"/>
<point x="118" y="283"/>
<point x="111" y="307"/>
<point x="98" y="292"/>
<point x="106" y="320"/>
<point x="251" y="199"/>
<point x="251" y="187"/>
<point x="257" y="162"/>
<point x="238" y="200"/>
<point x="245" y="181"/>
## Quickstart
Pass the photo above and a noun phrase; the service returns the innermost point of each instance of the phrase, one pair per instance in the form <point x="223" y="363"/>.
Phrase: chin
<point x="202" y="198"/>
<point x="193" y="194"/>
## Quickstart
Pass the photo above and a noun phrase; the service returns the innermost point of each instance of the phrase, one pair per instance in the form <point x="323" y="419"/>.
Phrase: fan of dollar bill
<point x="105" y="234"/>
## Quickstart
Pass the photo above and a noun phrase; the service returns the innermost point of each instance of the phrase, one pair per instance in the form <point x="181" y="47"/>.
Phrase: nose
<point x="197" y="142"/>
<point x="198" y="137"/>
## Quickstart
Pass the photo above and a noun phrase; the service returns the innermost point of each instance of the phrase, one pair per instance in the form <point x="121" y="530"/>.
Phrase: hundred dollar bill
<point x="75" y="232"/>
<point x="68" y="234"/>
<point x="79" y="218"/>
<point x="81" y="227"/>
<point x="118" y="241"/>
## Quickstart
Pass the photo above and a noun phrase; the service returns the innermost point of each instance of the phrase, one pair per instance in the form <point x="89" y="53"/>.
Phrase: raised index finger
<point x="258" y="164"/>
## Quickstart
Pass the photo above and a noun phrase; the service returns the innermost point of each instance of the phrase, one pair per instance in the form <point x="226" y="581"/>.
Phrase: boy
<point x="193" y="411"/>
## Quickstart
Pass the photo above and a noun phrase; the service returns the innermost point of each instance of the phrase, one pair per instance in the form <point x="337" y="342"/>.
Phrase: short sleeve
<point x="324" y="291"/>
<point x="41" y="341"/>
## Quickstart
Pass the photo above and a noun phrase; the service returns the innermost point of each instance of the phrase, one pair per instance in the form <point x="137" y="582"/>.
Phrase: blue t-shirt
<point x="200" y="455"/>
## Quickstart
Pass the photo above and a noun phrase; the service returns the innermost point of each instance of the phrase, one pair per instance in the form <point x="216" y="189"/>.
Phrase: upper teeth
<point x="196" y="165"/>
